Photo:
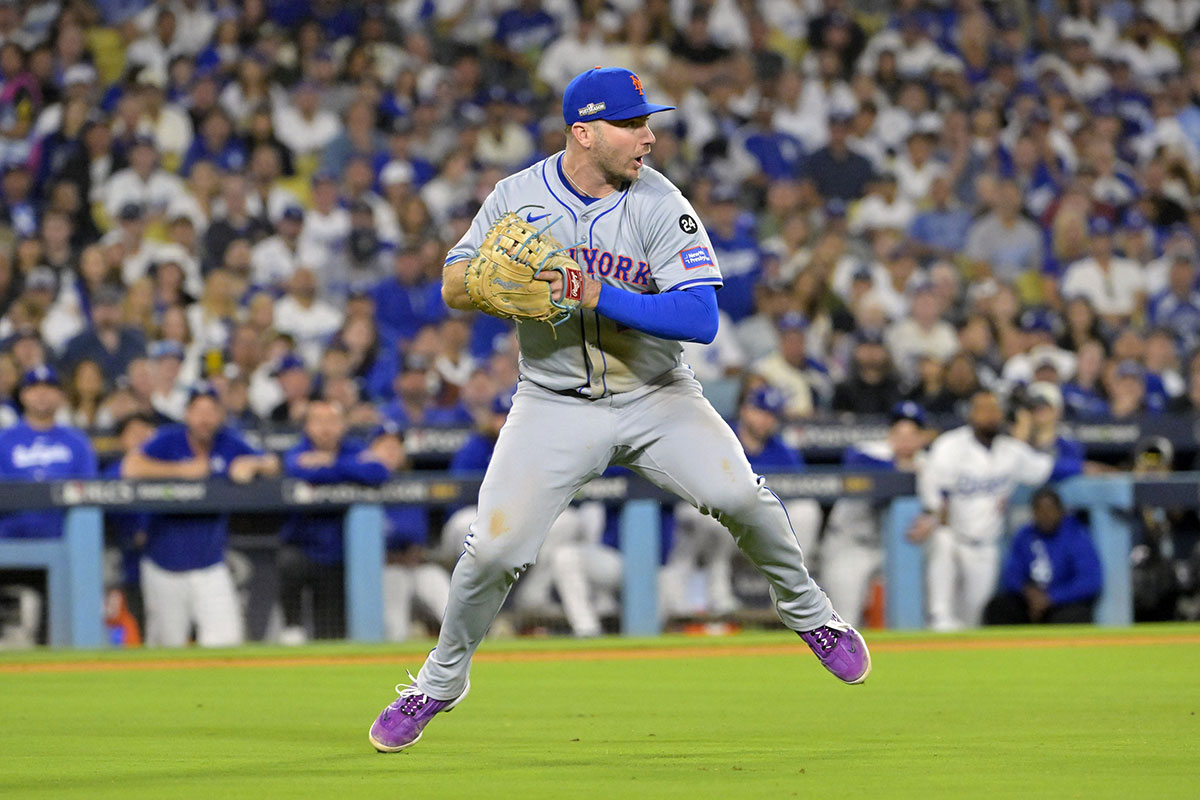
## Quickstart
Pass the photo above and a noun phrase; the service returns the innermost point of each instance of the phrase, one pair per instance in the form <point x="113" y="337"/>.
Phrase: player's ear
<point x="583" y="134"/>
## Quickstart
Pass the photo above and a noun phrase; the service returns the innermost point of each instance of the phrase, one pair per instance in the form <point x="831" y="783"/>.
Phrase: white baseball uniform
<point x="973" y="483"/>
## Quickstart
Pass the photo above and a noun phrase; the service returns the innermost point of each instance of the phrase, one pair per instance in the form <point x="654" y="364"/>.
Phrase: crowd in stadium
<point x="908" y="200"/>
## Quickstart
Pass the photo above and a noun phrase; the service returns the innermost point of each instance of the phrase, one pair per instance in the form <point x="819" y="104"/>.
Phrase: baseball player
<point x="605" y="386"/>
<point x="852" y="551"/>
<point x="185" y="579"/>
<point x="964" y="486"/>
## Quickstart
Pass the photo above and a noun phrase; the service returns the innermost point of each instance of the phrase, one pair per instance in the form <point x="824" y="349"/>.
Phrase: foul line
<point x="619" y="654"/>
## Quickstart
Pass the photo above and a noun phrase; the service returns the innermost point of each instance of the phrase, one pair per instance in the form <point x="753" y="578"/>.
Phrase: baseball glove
<point x="501" y="277"/>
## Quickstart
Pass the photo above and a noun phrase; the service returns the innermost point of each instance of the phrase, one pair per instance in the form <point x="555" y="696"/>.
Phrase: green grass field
<point x="1053" y="713"/>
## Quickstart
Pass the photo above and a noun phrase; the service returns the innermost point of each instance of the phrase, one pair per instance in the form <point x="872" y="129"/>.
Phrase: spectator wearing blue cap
<point x="737" y="249"/>
<point x="311" y="560"/>
<point x="107" y="341"/>
<point x="1177" y="306"/>
<point x="39" y="449"/>
<point x="1114" y="285"/>
<point x="185" y="580"/>
<point x="1003" y="243"/>
<point x="1038" y="327"/>
<point x="274" y="260"/>
<point x="802" y="380"/>
<point x="295" y="381"/>
<point x="852" y="549"/>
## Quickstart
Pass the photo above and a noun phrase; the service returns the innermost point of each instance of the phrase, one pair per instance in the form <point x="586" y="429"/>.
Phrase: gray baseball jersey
<point x="646" y="238"/>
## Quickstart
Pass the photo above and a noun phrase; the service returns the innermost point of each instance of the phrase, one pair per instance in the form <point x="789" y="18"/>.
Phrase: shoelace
<point x="411" y="699"/>
<point x="827" y="637"/>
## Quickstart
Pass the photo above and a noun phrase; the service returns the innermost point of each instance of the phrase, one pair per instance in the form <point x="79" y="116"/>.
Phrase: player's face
<point x="204" y="418"/>
<point x="906" y="439"/>
<point x="41" y="400"/>
<point x="986" y="415"/>
<point x="620" y="147"/>
<point x="1046" y="514"/>
<point x="324" y="426"/>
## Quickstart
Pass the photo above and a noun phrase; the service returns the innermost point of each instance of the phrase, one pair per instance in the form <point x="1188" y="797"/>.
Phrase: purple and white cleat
<point x="399" y="726"/>
<point x="841" y="650"/>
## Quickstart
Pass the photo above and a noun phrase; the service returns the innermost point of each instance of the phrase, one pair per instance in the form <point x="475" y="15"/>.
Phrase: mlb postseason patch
<point x="695" y="257"/>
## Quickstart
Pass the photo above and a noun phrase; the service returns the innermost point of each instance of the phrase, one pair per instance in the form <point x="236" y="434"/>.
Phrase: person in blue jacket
<point x="185" y="580"/>
<point x="39" y="449"/>
<point x="1052" y="573"/>
<point x="311" y="558"/>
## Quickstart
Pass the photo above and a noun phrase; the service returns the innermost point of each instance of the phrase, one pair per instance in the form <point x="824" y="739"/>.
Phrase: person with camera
<point x="965" y="486"/>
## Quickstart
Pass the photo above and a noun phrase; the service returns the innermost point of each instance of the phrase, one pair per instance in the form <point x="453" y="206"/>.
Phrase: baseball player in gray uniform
<point x="606" y="387"/>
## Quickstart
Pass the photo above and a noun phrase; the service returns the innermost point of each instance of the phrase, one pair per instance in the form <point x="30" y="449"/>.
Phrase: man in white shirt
<point x="274" y="260"/>
<point x="142" y="182"/>
<point x="922" y="334"/>
<point x="309" y="321"/>
<point x="1115" y="286"/>
<point x="304" y="126"/>
<point x="964" y="486"/>
<point x="884" y="207"/>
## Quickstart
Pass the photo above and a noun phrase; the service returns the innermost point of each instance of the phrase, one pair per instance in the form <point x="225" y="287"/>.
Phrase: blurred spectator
<point x="38" y="448"/>
<point x="1114" y="285"/>
<point x="871" y="387"/>
<point x="409" y="299"/>
<point x="185" y="579"/>
<point x="1177" y="306"/>
<point x="836" y="170"/>
<point x="1051" y="574"/>
<point x="415" y="587"/>
<point x="790" y="370"/>
<point x="108" y="342"/>
<point x="921" y="334"/>
<point x="297" y="389"/>
<point x="852" y="549"/>
<point x="305" y="317"/>
<point x="311" y="559"/>
<point x="1003" y="243"/>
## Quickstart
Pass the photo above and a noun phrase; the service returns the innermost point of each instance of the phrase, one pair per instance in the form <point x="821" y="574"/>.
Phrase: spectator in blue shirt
<point x="409" y="299"/>
<point x="108" y="342"/>
<point x="1052" y="573"/>
<point x="737" y="250"/>
<point x="941" y="230"/>
<point x="1177" y="307"/>
<point x="39" y="449"/>
<point x="185" y="579"/>
<point x="312" y="556"/>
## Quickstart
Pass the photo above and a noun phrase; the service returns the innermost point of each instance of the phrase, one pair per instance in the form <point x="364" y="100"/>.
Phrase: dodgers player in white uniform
<point x="607" y="387"/>
<point x="964" y="486"/>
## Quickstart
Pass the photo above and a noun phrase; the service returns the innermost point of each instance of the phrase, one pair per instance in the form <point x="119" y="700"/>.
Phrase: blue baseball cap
<point x="503" y="402"/>
<point x="165" y="348"/>
<point x="1037" y="319"/>
<point x="1099" y="226"/>
<point x="793" y="321"/>
<point x="606" y="93"/>
<point x="40" y="374"/>
<point x="202" y="389"/>
<point x="288" y="362"/>
<point x="767" y="398"/>
<point x="908" y="410"/>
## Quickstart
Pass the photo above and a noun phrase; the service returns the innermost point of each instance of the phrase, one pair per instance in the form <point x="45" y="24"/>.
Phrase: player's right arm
<point x="454" y="285"/>
<point x="933" y="484"/>
<point x="138" y="465"/>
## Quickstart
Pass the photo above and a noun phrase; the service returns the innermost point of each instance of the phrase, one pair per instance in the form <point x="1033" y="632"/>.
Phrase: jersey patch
<point x="695" y="257"/>
<point x="688" y="224"/>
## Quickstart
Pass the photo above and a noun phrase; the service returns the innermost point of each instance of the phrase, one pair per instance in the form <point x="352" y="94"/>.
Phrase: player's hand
<point x="922" y="528"/>
<point x="591" y="288"/>
<point x="246" y="468"/>
<point x="195" y="468"/>
<point x="1038" y="600"/>
<point x="315" y="458"/>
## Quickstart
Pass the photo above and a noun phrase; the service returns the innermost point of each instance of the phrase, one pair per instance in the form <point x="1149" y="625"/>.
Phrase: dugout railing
<point x="73" y="562"/>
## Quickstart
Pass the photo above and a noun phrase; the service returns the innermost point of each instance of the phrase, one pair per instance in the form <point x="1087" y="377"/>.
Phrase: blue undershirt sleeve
<point x="689" y="315"/>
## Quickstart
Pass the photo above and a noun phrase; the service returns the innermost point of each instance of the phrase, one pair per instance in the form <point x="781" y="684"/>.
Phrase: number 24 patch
<point x="695" y="257"/>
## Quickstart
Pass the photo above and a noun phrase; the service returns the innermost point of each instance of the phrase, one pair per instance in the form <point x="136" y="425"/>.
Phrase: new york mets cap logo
<point x="610" y="93"/>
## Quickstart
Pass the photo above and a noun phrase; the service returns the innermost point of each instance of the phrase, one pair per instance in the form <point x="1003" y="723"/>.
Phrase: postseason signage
<point x="433" y="489"/>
